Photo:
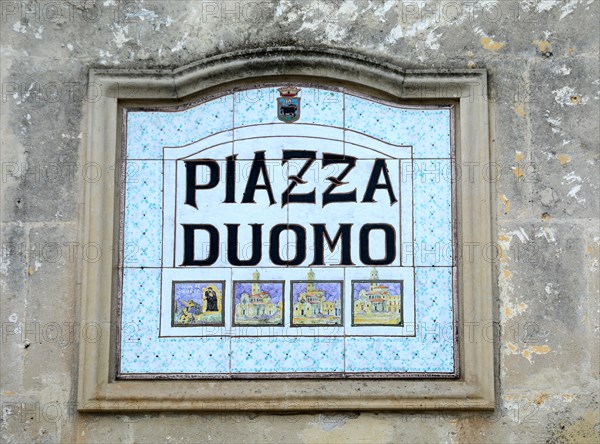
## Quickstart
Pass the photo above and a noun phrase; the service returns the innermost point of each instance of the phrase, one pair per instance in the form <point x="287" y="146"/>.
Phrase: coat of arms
<point x="288" y="105"/>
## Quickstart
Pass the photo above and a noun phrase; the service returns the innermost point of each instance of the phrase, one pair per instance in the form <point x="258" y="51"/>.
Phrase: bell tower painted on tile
<point x="255" y="284"/>
<point x="310" y="286"/>
<point x="374" y="277"/>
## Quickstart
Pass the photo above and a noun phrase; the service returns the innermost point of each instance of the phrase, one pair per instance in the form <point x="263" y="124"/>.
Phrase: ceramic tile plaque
<point x="288" y="230"/>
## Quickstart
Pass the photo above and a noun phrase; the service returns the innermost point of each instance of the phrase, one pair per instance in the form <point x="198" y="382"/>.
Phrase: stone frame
<point x="99" y="390"/>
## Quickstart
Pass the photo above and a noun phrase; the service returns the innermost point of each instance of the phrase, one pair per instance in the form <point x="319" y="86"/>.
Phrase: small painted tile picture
<point x="316" y="302"/>
<point x="258" y="303"/>
<point x="198" y="303"/>
<point x="377" y="302"/>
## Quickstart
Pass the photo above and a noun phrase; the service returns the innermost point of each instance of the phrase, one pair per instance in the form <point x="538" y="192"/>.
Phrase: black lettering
<point x="380" y="166"/>
<point x="390" y="244"/>
<point x="190" y="175"/>
<point x="230" y="179"/>
<point x="259" y="167"/>
<point x="274" y="246"/>
<point x="189" y="257"/>
<point x="232" y="245"/>
<point x="321" y="235"/>
<point x="287" y="196"/>
<point x="328" y="196"/>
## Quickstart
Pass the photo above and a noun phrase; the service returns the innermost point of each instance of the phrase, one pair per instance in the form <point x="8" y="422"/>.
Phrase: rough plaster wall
<point x="544" y="75"/>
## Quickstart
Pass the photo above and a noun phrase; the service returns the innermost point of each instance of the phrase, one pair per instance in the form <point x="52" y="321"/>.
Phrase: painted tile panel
<point x="378" y="302"/>
<point x="258" y="302"/>
<point x="381" y="301"/>
<point x="190" y="314"/>
<point x="316" y="302"/>
<point x="198" y="303"/>
<point x="274" y="287"/>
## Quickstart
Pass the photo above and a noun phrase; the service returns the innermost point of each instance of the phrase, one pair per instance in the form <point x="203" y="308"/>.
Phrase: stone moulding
<point x="109" y="90"/>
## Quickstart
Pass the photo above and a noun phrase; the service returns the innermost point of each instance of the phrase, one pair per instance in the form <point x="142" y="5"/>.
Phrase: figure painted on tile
<point x="211" y="300"/>
<point x="188" y="312"/>
<point x="198" y="303"/>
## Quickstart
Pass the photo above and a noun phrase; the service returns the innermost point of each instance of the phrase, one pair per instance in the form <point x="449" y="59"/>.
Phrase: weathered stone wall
<point x="542" y="56"/>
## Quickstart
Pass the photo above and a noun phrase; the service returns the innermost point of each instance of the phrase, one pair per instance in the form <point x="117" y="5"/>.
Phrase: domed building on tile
<point x="378" y="298"/>
<point x="313" y="302"/>
<point x="258" y="304"/>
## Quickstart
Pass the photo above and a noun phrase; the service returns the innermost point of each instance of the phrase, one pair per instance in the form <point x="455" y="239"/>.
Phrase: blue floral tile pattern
<point x="428" y="131"/>
<point x="254" y="107"/>
<point x="435" y="319"/>
<point x="148" y="132"/>
<point x="433" y="212"/>
<point x="139" y="318"/>
<point x="322" y="107"/>
<point x="259" y="106"/>
<point x="292" y="354"/>
<point x="143" y="214"/>
<point x="432" y="136"/>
